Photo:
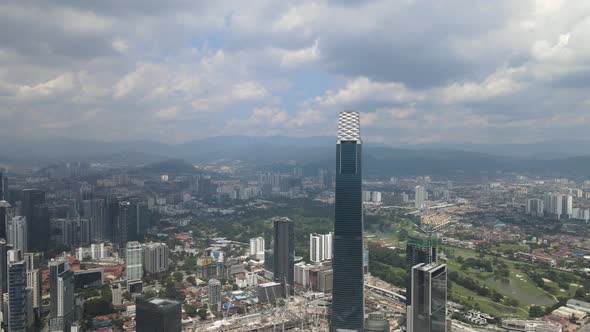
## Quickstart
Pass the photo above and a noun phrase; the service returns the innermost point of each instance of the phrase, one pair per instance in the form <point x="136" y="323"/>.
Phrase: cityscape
<point x="321" y="166"/>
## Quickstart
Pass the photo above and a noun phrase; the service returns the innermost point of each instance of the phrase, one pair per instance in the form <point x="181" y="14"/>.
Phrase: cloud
<point x="457" y="70"/>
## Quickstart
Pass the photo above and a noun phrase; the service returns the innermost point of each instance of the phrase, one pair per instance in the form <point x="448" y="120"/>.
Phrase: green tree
<point x="202" y="313"/>
<point x="536" y="311"/>
<point x="178" y="276"/>
<point x="190" y="310"/>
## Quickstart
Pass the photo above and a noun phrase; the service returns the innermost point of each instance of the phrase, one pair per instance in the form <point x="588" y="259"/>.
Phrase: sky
<point x="452" y="71"/>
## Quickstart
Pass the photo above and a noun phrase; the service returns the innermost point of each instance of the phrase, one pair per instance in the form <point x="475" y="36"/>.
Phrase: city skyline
<point x="177" y="71"/>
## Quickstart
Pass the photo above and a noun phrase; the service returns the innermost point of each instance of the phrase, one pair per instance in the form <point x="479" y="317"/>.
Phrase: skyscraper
<point x="348" y="291"/>
<point x="16" y="229"/>
<point x="320" y="247"/>
<point x="36" y="212"/>
<point x="214" y="288"/>
<point x="428" y="312"/>
<point x="156" y="314"/>
<point x="64" y="302"/>
<point x="134" y="260"/>
<point x="95" y="211"/>
<point x="567" y="206"/>
<point x="122" y="224"/>
<point x="156" y="258"/>
<point x="419" y="250"/>
<point x="56" y="269"/>
<point x="284" y="254"/>
<point x="17" y="298"/>
<point x="4" y="206"/>
<point x="3" y="185"/>
<point x="3" y="272"/>
<point x="419" y="197"/>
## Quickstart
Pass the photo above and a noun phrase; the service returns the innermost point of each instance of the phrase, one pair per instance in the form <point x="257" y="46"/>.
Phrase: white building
<point x="214" y="295"/>
<point x="257" y="248"/>
<point x="420" y="197"/>
<point x="134" y="260"/>
<point x="320" y="247"/>
<point x="16" y="229"/>
<point x="567" y="206"/>
<point x="553" y="205"/>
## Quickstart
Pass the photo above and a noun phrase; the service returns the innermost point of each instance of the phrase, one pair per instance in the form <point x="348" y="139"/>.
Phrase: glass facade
<point x="17" y="283"/>
<point x="348" y="290"/>
<point x="419" y="249"/>
<point x="429" y="299"/>
<point x="284" y="254"/>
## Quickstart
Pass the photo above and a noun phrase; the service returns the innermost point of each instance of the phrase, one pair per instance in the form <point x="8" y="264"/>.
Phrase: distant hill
<point x="313" y="152"/>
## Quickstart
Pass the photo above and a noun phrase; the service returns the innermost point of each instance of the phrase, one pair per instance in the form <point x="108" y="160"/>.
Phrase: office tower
<point x="535" y="207"/>
<point x="348" y="290"/>
<point x="3" y="272"/>
<point x="567" y="206"/>
<point x="156" y="258"/>
<point x="63" y="302"/>
<point x="36" y="212"/>
<point x="122" y="224"/>
<point x="16" y="229"/>
<point x="214" y="295"/>
<point x="30" y="311"/>
<point x="134" y="260"/>
<point x="257" y="248"/>
<point x="3" y="185"/>
<point x="419" y="250"/>
<point x="4" y="206"/>
<point x="86" y="279"/>
<point x="112" y="218"/>
<point x="156" y="314"/>
<point x="428" y="312"/>
<point x="17" y="297"/>
<point x="33" y="260"/>
<point x="320" y="247"/>
<point x="95" y="211"/>
<point x="56" y="268"/>
<point x="420" y="197"/>
<point x="284" y="254"/>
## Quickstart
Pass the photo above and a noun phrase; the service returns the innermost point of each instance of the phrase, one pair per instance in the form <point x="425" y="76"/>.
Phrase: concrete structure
<point x="284" y="254"/>
<point x="530" y="325"/>
<point x="420" y="197"/>
<point x="134" y="260"/>
<point x="257" y="248"/>
<point x="214" y="292"/>
<point x="156" y="258"/>
<point x="320" y="247"/>
<point x="61" y="281"/>
<point x="16" y="316"/>
<point x="16" y="229"/>
<point x="535" y="207"/>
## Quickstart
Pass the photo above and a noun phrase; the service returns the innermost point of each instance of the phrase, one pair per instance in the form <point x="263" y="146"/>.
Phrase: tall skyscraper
<point x="214" y="293"/>
<point x="16" y="229"/>
<point x="428" y="312"/>
<point x="35" y="211"/>
<point x="320" y="247"/>
<point x="156" y="314"/>
<point x="257" y="248"/>
<point x="420" y="197"/>
<point x="56" y="268"/>
<point x="3" y="272"/>
<point x="134" y="260"/>
<point x="156" y="258"/>
<point x="419" y="250"/>
<point x="95" y="211"/>
<point x="17" y="297"/>
<point x="64" y="302"/>
<point x="567" y="206"/>
<point x="122" y="224"/>
<point x="4" y="206"/>
<point x="348" y="290"/>
<point x="3" y="185"/>
<point x="284" y="254"/>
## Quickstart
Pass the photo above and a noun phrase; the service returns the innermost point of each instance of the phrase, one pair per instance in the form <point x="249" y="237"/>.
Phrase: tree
<point x="106" y="293"/>
<point x="536" y="311"/>
<point x="192" y="280"/>
<point x="97" y="307"/>
<point x="178" y="276"/>
<point x="202" y="313"/>
<point x="191" y="310"/>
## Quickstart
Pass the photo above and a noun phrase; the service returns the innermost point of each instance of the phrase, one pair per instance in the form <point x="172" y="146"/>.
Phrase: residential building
<point x="134" y="260"/>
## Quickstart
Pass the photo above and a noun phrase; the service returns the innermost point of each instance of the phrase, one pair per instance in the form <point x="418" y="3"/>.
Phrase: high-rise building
<point x="420" y="197"/>
<point x="63" y="302"/>
<point x="134" y="260"/>
<point x="36" y="212"/>
<point x="3" y="185"/>
<point x="4" y="206"/>
<point x="257" y="248"/>
<point x="35" y="283"/>
<point x="156" y="314"/>
<point x="320" y="247"/>
<point x="535" y="207"/>
<point x="16" y="316"/>
<point x="117" y="291"/>
<point x="95" y="211"/>
<point x="419" y="250"/>
<point x="554" y="205"/>
<point x="567" y="206"/>
<point x="214" y="293"/>
<point x="121" y="231"/>
<point x="348" y="286"/>
<point x="16" y="229"/>
<point x="3" y="272"/>
<point x="156" y="258"/>
<point x="56" y="268"/>
<point x="428" y="312"/>
<point x="284" y="254"/>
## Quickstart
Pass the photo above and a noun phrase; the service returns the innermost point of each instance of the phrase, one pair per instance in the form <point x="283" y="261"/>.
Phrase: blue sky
<point x="457" y="71"/>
